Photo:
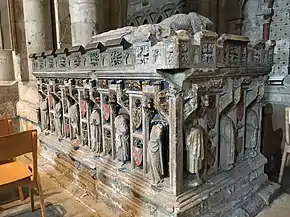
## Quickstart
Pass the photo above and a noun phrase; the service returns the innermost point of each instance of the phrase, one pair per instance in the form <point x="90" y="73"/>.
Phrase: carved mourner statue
<point x="227" y="142"/>
<point x="195" y="148"/>
<point x="252" y="130"/>
<point x="44" y="113"/>
<point x="148" y="105"/>
<point x="58" y="117"/>
<point x="122" y="142"/>
<point x="73" y="112"/>
<point x="155" y="155"/>
<point x="95" y="123"/>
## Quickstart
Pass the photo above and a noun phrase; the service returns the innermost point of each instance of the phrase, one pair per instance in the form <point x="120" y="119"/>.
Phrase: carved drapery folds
<point x="122" y="141"/>
<point x="196" y="154"/>
<point x="200" y="94"/>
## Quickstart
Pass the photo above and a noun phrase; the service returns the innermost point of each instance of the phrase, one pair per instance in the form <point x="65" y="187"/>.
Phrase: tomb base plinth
<point x="244" y="189"/>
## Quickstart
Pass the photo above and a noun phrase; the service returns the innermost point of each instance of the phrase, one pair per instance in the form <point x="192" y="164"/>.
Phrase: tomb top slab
<point x="154" y="51"/>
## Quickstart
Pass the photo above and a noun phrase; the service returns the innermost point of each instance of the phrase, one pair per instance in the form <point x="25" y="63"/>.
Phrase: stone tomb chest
<point x="166" y="126"/>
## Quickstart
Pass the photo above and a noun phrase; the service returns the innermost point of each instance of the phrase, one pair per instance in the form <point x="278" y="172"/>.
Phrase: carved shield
<point x="138" y="155"/>
<point x="137" y="118"/>
<point x="106" y="111"/>
<point x="83" y="108"/>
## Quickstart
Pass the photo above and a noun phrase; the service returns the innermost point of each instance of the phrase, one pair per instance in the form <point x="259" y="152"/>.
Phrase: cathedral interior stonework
<point x="156" y="108"/>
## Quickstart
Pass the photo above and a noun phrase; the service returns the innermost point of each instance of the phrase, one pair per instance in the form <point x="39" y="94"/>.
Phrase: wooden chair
<point x="16" y="173"/>
<point x="6" y="128"/>
<point x="287" y="144"/>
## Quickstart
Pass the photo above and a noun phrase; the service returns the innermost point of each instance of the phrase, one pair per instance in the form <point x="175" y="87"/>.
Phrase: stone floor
<point x="60" y="202"/>
<point x="280" y="207"/>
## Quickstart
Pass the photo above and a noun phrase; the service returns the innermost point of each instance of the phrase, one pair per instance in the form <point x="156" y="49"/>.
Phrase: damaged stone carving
<point x="122" y="138"/>
<point x="73" y="112"/>
<point x="195" y="148"/>
<point x="155" y="157"/>
<point x="168" y="112"/>
<point x="95" y="124"/>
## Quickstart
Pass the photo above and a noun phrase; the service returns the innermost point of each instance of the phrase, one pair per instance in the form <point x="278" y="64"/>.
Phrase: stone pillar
<point x="118" y="13"/>
<point x="38" y="30"/>
<point x="6" y="66"/>
<point x="34" y="35"/>
<point x="112" y="14"/>
<point x="176" y="143"/>
<point x="83" y="15"/>
<point x="62" y="23"/>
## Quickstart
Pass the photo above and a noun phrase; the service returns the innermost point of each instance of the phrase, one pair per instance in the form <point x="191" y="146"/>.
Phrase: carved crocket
<point x="191" y="22"/>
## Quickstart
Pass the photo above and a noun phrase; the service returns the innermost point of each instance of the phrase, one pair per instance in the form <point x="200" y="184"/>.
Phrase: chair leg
<point x="31" y="199"/>
<point x="42" y="205"/>
<point x="283" y="163"/>
<point x="20" y="192"/>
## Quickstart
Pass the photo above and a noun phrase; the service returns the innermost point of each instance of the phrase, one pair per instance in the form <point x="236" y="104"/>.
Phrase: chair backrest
<point x="18" y="144"/>
<point x="287" y="122"/>
<point x="5" y="127"/>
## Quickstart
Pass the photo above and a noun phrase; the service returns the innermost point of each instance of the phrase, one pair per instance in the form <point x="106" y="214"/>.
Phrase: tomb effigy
<point x="160" y="120"/>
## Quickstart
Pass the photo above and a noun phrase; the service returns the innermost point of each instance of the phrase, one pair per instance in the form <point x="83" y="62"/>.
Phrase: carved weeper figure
<point x="122" y="138"/>
<point x="195" y="147"/>
<point x="252" y="130"/>
<point x="58" y="117"/>
<point x="95" y="122"/>
<point x="155" y="158"/>
<point x="73" y="112"/>
<point x="44" y="113"/>
<point x="227" y="143"/>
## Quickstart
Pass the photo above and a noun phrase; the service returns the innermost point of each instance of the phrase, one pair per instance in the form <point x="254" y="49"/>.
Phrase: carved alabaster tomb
<point x="157" y="121"/>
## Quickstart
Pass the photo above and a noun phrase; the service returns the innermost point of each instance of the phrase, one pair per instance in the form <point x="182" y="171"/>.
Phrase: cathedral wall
<point x="143" y="5"/>
<point x="253" y="19"/>
<point x="8" y="99"/>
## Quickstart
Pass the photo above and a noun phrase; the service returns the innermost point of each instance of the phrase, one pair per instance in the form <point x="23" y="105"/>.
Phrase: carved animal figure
<point x="191" y="22"/>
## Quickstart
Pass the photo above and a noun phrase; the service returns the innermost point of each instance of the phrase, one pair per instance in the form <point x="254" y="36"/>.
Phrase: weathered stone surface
<point x="150" y="85"/>
<point x="253" y="19"/>
<point x="269" y="192"/>
<point x="240" y="213"/>
<point x="192" y="23"/>
<point x="83" y="14"/>
<point x="6" y="66"/>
